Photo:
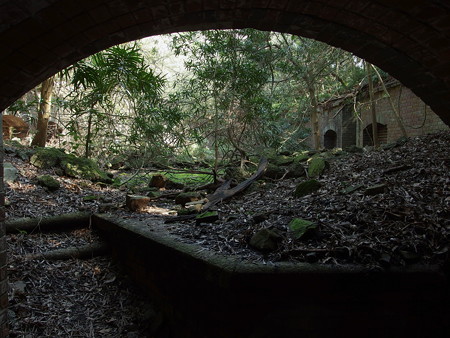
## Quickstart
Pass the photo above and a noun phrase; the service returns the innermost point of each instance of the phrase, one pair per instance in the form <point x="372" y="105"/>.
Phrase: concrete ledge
<point x="204" y="294"/>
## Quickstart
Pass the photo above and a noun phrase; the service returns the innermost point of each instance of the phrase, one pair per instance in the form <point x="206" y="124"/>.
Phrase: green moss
<point x="46" y="158"/>
<point x="300" y="227"/>
<point x="83" y="168"/>
<point x="49" y="182"/>
<point x="316" y="166"/>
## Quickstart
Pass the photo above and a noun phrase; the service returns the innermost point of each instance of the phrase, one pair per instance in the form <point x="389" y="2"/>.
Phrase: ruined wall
<point x="417" y="117"/>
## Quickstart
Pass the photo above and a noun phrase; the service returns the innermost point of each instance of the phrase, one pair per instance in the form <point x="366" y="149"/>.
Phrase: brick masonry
<point x="408" y="39"/>
<point x="339" y="115"/>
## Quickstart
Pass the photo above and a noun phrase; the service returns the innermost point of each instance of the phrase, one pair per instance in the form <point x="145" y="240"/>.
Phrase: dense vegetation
<point x="240" y="93"/>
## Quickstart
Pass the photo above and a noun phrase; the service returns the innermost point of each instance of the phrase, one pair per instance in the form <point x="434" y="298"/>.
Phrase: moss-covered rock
<point x="300" y="227"/>
<point x="79" y="167"/>
<point x="301" y="158"/>
<point x="46" y="158"/>
<point x="48" y="182"/>
<point x="274" y="171"/>
<point x="316" y="166"/>
<point x="306" y="188"/>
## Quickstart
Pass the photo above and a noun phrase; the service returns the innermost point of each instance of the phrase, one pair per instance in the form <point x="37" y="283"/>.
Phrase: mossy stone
<point x="307" y="187"/>
<point x="48" y="182"/>
<point x="301" y="227"/>
<point x="316" y="166"/>
<point x="46" y="158"/>
<point x="84" y="168"/>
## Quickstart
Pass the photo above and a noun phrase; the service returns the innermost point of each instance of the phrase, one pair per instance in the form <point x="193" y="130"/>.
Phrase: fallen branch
<point x="223" y="193"/>
<point x="51" y="223"/>
<point x="79" y="252"/>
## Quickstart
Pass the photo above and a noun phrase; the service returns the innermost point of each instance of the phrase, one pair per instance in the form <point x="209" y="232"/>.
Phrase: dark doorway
<point x="368" y="134"/>
<point x="330" y="139"/>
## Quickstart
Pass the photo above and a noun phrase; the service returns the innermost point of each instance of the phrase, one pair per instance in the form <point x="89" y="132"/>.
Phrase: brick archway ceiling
<point x="410" y="39"/>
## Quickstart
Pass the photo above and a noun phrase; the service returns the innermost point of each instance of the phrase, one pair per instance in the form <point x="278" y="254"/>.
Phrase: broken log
<point x="74" y="252"/>
<point x="223" y="193"/>
<point x="51" y="223"/>
<point x="136" y="202"/>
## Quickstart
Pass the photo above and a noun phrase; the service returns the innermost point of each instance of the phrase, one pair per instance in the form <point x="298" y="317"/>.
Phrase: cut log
<point x="79" y="252"/>
<point x="52" y="223"/>
<point x="136" y="202"/>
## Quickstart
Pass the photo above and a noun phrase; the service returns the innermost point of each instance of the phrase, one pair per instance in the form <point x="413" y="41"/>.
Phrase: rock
<point x="282" y="160"/>
<point x="10" y="172"/>
<point x="83" y="168"/>
<point x="48" y="182"/>
<point x="46" y="158"/>
<point x="375" y="189"/>
<point x="301" y="158"/>
<point x="296" y="170"/>
<point x="316" y="166"/>
<point x="265" y="240"/>
<point x="136" y="202"/>
<point x="300" y="227"/>
<point x="186" y="197"/>
<point x="307" y="187"/>
<point x="158" y="181"/>
<point x="207" y="217"/>
<point x="274" y="171"/>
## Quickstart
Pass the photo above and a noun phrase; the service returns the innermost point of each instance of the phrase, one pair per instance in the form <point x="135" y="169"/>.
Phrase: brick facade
<point x="410" y="40"/>
<point x="339" y="115"/>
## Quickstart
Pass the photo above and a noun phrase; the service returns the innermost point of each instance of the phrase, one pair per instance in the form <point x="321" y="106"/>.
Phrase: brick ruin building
<point x="346" y="120"/>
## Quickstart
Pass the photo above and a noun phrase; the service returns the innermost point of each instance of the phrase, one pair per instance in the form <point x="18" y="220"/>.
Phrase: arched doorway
<point x="330" y="139"/>
<point x="368" y="134"/>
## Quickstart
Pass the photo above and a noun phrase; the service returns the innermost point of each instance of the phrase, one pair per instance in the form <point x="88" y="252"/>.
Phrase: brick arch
<point x="409" y="39"/>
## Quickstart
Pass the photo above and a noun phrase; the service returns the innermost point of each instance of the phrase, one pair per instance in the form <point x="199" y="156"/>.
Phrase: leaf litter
<point x="407" y="222"/>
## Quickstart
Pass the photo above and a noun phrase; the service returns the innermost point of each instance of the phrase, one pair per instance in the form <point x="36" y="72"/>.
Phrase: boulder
<point x="316" y="166"/>
<point x="46" y="158"/>
<point x="306" y="188"/>
<point x="300" y="227"/>
<point x="48" y="182"/>
<point x="80" y="167"/>
<point x="10" y="172"/>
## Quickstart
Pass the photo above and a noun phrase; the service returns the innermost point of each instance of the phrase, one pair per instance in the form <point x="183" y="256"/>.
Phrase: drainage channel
<point x="203" y="294"/>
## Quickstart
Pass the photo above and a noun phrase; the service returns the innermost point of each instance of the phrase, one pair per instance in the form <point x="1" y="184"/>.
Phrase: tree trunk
<point x="314" y="114"/>
<point x="87" y="152"/>
<point x="44" y="113"/>
<point x="373" y="110"/>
